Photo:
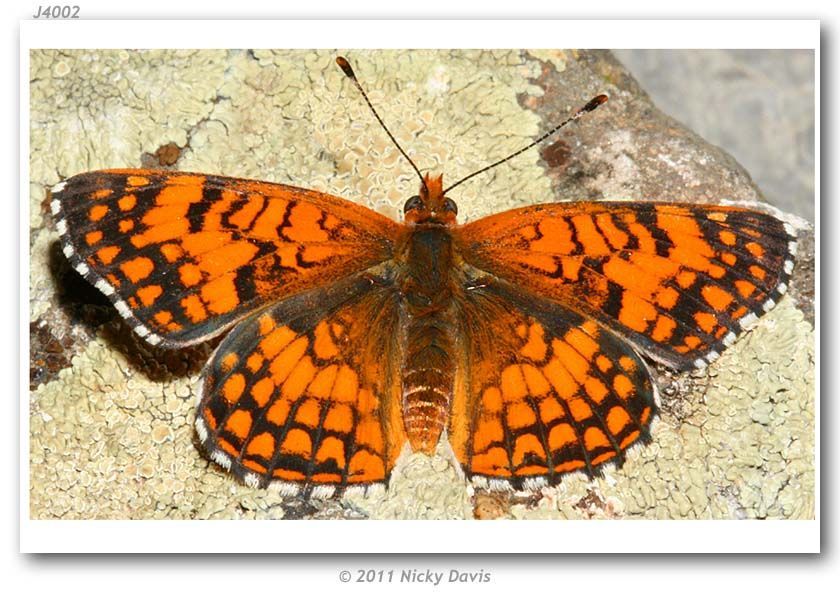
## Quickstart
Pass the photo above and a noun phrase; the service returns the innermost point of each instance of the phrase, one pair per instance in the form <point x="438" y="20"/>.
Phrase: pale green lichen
<point x="92" y="109"/>
<point x="422" y="487"/>
<point x="107" y="441"/>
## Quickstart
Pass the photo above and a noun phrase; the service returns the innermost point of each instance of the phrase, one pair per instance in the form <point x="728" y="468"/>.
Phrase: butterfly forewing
<point x="183" y="256"/>
<point x="678" y="281"/>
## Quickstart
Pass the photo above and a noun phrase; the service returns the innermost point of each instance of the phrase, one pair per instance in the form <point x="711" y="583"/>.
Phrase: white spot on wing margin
<point x="122" y="308"/>
<point x="500" y="485"/>
<point x="201" y="429"/>
<point x="788" y="267"/>
<point x="221" y="459"/>
<point x="284" y="488"/>
<point x="479" y="481"/>
<point x="104" y="287"/>
<point x="323" y="491"/>
<point x="535" y="483"/>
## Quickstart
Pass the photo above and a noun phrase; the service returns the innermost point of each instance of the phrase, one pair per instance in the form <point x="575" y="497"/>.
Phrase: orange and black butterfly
<point x="519" y="336"/>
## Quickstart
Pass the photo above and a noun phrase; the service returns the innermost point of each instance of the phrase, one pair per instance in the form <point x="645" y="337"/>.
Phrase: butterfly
<point x="520" y="337"/>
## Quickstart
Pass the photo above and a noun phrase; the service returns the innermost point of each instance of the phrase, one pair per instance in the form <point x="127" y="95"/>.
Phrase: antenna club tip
<point x="595" y="102"/>
<point x="345" y="66"/>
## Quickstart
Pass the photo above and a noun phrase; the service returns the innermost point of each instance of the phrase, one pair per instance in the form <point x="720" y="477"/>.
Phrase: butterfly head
<point x="431" y="205"/>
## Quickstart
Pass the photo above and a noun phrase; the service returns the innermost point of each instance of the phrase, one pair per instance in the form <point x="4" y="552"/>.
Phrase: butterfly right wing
<point x="183" y="256"/>
<point x="305" y="395"/>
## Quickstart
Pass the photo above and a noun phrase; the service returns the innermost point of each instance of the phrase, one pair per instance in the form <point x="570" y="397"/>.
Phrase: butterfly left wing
<point x="542" y="391"/>
<point x="305" y="395"/>
<point x="679" y="281"/>
<point x="183" y="256"/>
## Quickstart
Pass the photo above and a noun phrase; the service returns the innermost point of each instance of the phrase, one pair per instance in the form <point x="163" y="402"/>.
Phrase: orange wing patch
<point x="306" y="394"/>
<point x="542" y="392"/>
<point x="679" y="281"/>
<point x="183" y="256"/>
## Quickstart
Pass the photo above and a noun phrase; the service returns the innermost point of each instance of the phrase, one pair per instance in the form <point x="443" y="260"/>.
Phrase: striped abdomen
<point x="428" y="369"/>
<point x="428" y="375"/>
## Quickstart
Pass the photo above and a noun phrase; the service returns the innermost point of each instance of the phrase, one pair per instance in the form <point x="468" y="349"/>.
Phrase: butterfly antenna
<point x="348" y="70"/>
<point x="589" y="107"/>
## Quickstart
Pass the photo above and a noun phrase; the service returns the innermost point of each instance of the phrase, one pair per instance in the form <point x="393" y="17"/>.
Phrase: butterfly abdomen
<point x="428" y="363"/>
<point x="427" y="381"/>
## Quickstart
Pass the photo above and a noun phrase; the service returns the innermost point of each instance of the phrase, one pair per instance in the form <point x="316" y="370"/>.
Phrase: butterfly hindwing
<point x="307" y="392"/>
<point x="679" y="281"/>
<point x="542" y="391"/>
<point x="183" y="256"/>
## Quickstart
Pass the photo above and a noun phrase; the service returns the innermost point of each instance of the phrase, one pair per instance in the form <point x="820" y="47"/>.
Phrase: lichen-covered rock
<point x="111" y="420"/>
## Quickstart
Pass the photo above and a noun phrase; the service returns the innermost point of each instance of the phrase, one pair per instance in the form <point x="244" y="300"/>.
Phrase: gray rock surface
<point x="756" y="104"/>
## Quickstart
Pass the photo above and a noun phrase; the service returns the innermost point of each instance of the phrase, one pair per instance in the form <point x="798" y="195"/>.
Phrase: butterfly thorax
<point x="429" y="330"/>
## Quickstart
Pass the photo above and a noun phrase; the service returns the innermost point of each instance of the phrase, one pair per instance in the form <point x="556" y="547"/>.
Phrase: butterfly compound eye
<point x="450" y="206"/>
<point x="412" y="203"/>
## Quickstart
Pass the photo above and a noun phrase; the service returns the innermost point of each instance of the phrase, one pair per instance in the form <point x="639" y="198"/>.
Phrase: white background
<point x="555" y="576"/>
